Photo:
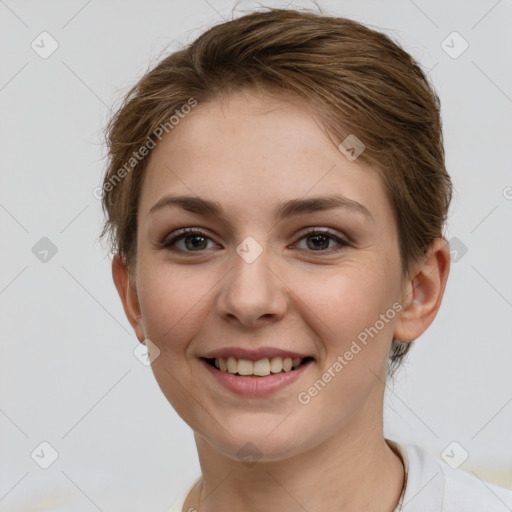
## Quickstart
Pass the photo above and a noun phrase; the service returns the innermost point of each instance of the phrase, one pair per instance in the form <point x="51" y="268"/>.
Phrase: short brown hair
<point x="356" y="79"/>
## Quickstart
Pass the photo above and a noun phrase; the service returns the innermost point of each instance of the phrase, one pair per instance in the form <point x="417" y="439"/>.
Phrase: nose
<point x="252" y="293"/>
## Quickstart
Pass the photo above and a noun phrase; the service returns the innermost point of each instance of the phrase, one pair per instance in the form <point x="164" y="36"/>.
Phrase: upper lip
<point x="253" y="354"/>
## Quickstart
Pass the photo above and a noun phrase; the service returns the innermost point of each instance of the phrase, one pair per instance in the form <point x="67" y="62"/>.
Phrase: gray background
<point x="68" y="375"/>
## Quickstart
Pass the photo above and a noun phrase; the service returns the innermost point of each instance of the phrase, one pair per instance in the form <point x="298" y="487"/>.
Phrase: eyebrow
<point x="290" y="208"/>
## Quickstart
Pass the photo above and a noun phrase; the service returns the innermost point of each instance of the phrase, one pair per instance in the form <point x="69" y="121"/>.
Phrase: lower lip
<point x="256" y="386"/>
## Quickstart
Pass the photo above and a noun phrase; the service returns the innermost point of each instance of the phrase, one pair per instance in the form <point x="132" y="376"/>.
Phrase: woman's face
<point x="253" y="276"/>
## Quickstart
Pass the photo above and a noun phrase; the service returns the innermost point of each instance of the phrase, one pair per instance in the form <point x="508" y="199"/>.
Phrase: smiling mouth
<point x="260" y="368"/>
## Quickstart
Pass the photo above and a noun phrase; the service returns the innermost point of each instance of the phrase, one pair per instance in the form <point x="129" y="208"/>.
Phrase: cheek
<point x="346" y="301"/>
<point x="355" y="342"/>
<point x="171" y="304"/>
<point x="174" y="304"/>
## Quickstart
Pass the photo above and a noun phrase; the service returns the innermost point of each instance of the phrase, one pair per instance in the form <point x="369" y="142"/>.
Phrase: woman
<point x="275" y="200"/>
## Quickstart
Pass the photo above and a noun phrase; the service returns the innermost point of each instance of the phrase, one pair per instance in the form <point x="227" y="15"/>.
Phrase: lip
<point x="252" y="354"/>
<point x="255" y="386"/>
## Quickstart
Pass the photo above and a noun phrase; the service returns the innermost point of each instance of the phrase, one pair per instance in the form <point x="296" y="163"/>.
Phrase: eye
<point x="320" y="240"/>
<point x="193" y="239"/>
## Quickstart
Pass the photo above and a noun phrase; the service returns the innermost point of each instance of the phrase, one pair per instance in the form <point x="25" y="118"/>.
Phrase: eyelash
<point x="183" y="233"/>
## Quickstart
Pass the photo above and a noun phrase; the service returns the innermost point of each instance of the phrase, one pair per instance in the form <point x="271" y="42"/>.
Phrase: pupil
<point x="317" y="237"/>
<point x="195" y="239"/>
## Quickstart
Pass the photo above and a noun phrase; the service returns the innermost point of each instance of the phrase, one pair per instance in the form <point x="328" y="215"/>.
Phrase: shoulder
<point x="434" y="486"/>
<point x="466" y="491"/>
<point x="180" y="500"/>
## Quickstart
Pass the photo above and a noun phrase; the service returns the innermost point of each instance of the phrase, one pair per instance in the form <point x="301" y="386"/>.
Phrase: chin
<point x="261" y="443"/>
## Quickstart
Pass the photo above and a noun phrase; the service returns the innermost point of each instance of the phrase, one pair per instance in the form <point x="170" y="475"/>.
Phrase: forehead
<point x="244" y="123"/>
<point x="250" y="149"/>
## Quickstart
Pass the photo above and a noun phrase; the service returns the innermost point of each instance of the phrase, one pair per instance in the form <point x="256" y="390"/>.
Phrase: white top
<point x="433" y="486"/>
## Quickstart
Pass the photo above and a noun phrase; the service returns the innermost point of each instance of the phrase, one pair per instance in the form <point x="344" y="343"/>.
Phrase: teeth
<point x="231" y="364"/>
<point x="261" y="368"/>
<point x="276" y="364"/>
<point x="245" y="367"/>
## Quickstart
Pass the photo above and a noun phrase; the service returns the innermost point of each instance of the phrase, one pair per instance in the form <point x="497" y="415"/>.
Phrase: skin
<point x="250" y="153"/>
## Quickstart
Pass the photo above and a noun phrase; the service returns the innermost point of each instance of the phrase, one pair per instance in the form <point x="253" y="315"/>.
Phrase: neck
<point x="353" y="470"/>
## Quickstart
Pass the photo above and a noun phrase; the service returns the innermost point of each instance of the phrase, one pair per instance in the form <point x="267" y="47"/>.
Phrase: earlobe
<point x="128" y="296"/>
<point x="424" y="293"/>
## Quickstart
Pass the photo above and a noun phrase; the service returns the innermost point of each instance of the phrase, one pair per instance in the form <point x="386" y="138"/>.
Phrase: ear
<point x="423" y="293"/>
<point x="128" y="295"/>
